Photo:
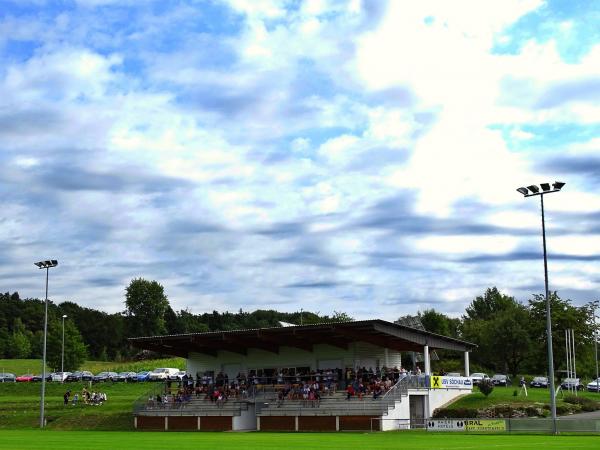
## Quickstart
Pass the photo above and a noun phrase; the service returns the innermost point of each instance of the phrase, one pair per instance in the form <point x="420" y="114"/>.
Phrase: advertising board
<point x="445" y="425"/>
<point x="440" y="382"/>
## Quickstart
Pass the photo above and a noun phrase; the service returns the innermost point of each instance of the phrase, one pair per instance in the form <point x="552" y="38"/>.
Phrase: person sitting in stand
<point x="349" y="391"/>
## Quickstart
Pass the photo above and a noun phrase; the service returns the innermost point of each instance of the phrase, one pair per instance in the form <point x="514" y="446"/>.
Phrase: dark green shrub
<point x="486" y="387"/>
<point x="459" y="413"/>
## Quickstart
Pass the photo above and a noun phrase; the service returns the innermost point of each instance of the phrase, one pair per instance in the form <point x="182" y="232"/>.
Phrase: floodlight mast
<point x="531" y="191"/>
<point x="45" y="265"/>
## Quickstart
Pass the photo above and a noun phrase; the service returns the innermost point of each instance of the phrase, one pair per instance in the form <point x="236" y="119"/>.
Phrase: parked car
<point x="177" y="376"/>
<point x="593" y="385"/>
<point x="501" y="380"/>
<point x="539" y="382"/>
<point x="126" y="376"/>
<point x="8" y="378"/>
<point x="571" y="383"/>
<point x="75" y="376"/>
<point x="105" y="376"/>
<point x="143" y="376"/>
<point x="162" y="374"/>
<point x="25" y="378"/>
<point x="80" y="375"/>
<point x="60" y="376"/>
<point x="478" y="377"/>
<point x="453" y="374"/>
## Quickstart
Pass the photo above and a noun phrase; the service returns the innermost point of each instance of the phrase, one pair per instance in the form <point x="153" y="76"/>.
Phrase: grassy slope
<point x="504" y="395"/>
<point x="327" y="441"/>
<point x="22" y="366"/>
<point x="20" y="406"/>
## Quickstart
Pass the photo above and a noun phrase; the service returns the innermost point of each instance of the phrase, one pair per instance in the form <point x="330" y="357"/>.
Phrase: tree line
<point x="97" y="335"/>
<point x="510" y="335"/>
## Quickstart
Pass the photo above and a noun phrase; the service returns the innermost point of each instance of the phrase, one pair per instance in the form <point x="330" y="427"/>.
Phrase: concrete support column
<point x="198" y="424"/>
<point x="467" y="371"/>
<point x="337" y="423"/>
<point x="427" y="361"/>
<point x="135" y="422"/>
<point x="296" y="423"/>
<point x="257" y="423"/>
<point x="166" y="423"/>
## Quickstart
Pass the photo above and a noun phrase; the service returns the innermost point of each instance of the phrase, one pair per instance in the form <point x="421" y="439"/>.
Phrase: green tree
<point x="75" y="349"/>
<point x="564" y="316"/>
<point x="499" y="325"/>
<point x="146" y="305"/>
<point x="439" y="323"/>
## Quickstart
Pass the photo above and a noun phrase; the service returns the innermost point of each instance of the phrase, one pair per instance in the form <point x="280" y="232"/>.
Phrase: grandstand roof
<point x="340" y="334"/>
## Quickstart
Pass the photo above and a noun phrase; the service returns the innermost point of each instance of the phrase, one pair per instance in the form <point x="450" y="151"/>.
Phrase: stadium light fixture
<point x="536" y="191"/>
<point x="47" y="264"/>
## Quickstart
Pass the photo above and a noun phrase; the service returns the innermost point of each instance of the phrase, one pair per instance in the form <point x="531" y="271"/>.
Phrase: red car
<point x="25" y="378"/>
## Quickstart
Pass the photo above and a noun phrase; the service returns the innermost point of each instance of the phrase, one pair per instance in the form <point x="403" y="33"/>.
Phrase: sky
<point x="350" y="156"/>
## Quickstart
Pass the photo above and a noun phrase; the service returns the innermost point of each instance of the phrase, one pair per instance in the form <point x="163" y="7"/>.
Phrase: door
<point x="417" y="411"/>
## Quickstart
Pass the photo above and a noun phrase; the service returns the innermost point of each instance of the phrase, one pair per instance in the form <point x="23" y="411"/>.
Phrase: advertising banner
<point x="439" y="382"/>
<point x="445" y="425"/>
<point x="485" y="425"/>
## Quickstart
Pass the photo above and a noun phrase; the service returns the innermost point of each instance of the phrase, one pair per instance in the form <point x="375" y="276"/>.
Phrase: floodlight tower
<point x="45" y="265"/>
<point x="531" y="191"/>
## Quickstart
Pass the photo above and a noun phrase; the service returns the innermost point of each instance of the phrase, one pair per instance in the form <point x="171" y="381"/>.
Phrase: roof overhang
<point x="305" y="337"/>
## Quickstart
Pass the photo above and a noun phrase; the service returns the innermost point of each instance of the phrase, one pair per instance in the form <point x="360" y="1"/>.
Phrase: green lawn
<point x="60" y="440"/>
<point x="23" y="366"/>
<point x="505" y="395"/>
<point x="20" y="406"/>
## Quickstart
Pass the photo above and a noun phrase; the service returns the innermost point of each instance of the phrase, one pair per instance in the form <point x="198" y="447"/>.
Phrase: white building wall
<point x="358" y="354"/>
<point x="247" y="421"/>
<point x="439" y="397"/>
<point x="398" y="417"/>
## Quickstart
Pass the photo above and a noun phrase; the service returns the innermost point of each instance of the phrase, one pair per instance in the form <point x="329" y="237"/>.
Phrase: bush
<point x="486" y="387"/>
<point x="586" y="404"/>
<point x="459" y="413"/>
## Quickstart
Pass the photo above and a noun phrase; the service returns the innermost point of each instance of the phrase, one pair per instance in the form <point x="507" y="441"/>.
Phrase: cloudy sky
<point x="357" y="156"/>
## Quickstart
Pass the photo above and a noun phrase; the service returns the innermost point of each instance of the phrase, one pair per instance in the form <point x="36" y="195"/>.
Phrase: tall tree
<point x="146" y="305"/>
<point x="75" y="350"/>
<point x="564" y="316"/>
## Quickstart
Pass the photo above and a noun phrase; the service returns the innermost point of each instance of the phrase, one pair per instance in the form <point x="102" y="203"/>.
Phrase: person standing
<point x="66" y="397"/>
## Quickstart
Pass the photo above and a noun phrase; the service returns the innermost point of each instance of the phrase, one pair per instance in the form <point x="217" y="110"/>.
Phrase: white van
<point x="162" y="374"/>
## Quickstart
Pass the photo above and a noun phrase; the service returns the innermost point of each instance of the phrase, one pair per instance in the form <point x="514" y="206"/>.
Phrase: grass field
<point x="60" y="440"/>
<point x="20" y="406"/>
<point x="505" y="395"/>
<point x="23" y="366"/>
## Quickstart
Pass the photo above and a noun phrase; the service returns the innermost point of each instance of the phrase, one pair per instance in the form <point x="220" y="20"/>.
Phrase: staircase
<point x="195" y="407"/>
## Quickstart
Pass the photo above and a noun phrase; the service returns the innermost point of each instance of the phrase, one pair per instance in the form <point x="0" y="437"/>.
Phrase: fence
<point x="520" y="425"/>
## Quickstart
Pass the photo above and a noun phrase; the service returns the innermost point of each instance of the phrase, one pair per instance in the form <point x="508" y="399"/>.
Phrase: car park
<point x="478" y="377"/>
<point x="80" y="376"/>
<point x="60" y="376"/>
<point x="8" y="378"/>
<point x="162" y="373"/>
<point x="539" y="382"/>
<point x="594" y="385"/>
<point x="143" y="376"/>
<point x="177" y="376"/>
<point x="501" y="380"/>
<point x="126" y="376"/>
<point x="105" y="376"/>
<point x="25" y="378"/>
<point x="571" y="383"/>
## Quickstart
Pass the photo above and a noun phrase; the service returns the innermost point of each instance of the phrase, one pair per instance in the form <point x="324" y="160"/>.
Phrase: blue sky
<point x="356" y="156"/>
